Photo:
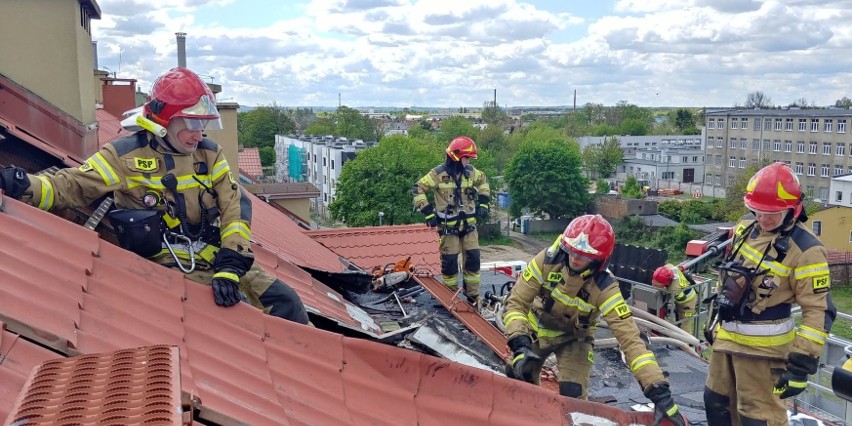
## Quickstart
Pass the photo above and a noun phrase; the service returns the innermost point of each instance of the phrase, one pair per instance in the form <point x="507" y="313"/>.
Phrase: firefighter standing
<point x="759" y="357"/>
<point x="461" y="195"/>
<point x="554" y="308"/>
<point x="171" y="172"/>
<point x="671" y="278"/>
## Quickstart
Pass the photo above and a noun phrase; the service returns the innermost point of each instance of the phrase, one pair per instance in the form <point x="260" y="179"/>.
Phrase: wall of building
<point x="834" y="226"/>
<point x="227" y="137"/>
<point x="616" y="207"/>
<point x="301" y="207"/>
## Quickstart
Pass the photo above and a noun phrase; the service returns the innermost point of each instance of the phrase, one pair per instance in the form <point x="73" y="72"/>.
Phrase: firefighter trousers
<point x="263" y="291"/>
<point x="739" y="391"/>
<point x="468" y="244"/>
<point x="574" y="359"/>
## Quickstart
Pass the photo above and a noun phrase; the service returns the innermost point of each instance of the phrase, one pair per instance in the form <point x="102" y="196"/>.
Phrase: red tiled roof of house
<point x="63" y="288"/>
<point x="109" y="127"/>
<point x="249" y="162"/>
<point x="380" y="245"/>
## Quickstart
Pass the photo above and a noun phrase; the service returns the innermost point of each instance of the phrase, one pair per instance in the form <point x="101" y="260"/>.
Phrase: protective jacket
<point x="454" y="197"/>
<point x="551" y="301"/>
<point x="796" y="272"/>
<point x="131" y="168"/>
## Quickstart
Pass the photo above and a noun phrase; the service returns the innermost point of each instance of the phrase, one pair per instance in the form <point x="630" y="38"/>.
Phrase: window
<point x="827" y="123"/>
<point x="734" y="123"/>
<point x="694" y="158"/>
<point x="710" y="142"/>
<point x="777" y="124"/>
<point x="824" y="170"/>
<point x="767" y="124"/>
<point x="838" y="196"/>
<point x="814" y="124"/>
<point x="742" y="162"/>
<point x="732" y="161"/>
<point x="800" y="168"/>
<point x="817" y="227"/>
<point x="324" y="161"/>
<point x="743" y="143"/>
<point x="788" y="125"/>
<point x="332" y="164"/>
<point x="719" y="142"/>
<point x="841" y="149"/>
<point x="684" y="159"/>
<point x="812" y="148"/>
<point x="838" y="169"/>
<point x="711" y="123"/>
<point x="803" y="125"/>
<point x="718" y="180"/>
<point x="766" y="145"/>
<point x="788" y="146"/>
<point x="826" y="149"/>
<point x="776" y="145"/>
<point x="720" y="123"/>
<point x="811" y="170"/>
<point x="800" y="147"/>
<point x="823" y="193"/>
<point x="733" y="143"/>
<point x="744" y="123"/>
<point x="755" y="144"/>
<point x="841" y="126"/>
<point x="756" y="124"/>
<point x="718" y="161"/>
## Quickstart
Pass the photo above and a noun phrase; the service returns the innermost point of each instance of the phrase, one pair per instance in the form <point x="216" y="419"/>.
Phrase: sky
<point x="453" y="53"/>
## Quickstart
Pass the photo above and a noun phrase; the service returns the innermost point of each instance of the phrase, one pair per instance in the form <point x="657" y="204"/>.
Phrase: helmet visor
<point x="202" y="124"/>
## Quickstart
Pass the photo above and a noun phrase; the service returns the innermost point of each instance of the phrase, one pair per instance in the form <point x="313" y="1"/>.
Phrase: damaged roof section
<point x="66" y="290"/>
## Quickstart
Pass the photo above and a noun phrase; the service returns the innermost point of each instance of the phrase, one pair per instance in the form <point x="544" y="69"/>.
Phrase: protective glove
<point x="431" y="219"/>
<point x="228" y="267"/>
<point x="14" y="181"/>
<point x="664" y="406"/>
<point x="482" y="207"/>
<point x="794" y="381"/>
<point x="523" y="359"/>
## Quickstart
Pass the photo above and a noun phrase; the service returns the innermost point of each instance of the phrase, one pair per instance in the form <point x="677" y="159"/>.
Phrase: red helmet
<point x="663" y="276"/>
<point x="589" y="236"/>
<point x="181" y="93"/>
<point x="461" y="147"/>
<point x="774" y="188"/>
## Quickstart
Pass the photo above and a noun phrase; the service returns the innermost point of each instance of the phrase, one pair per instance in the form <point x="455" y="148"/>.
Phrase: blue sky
<point x="451" y="53"/>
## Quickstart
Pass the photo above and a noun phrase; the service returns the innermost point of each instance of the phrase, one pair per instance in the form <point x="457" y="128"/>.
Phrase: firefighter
<point x="759" y="356"/>
<point x="461" y="196"/>
<point x="554" y="308"/>
<point x="671" y="278"/>
<point x="174" y="182"/>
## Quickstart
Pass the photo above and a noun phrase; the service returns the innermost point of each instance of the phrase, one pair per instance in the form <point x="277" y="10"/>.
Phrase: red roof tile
<point x="249" y="162"/>
<point x="109" y="127"/>
<point x="380" y="245"/>
<point x="242" y="366"/>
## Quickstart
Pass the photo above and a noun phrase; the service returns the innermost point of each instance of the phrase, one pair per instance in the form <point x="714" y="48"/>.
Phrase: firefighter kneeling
<point x="554" y="308"/>
<point x="671" y="278"/>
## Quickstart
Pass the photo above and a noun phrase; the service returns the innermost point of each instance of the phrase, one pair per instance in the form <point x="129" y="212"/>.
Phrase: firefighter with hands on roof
<point x="760" y="358"/>
<point x="461" y="195"/>
<point x="179" y="204"/>
<point x="554" y="308"/>
<point x="671" y="278"/>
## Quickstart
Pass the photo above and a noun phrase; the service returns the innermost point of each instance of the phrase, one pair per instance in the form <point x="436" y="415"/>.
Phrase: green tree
<point x="493" y="115"/>
<point x="632" y="189"/>
<point x="634" y="127"/>
<point x="455" y="126"/>
<point x="685" y="122"/>
<point x="546" y="177"/>
<point x="758" y="100"/>
<point x="602" y="160"/>
<point x="380" y="179"/>
<point x="602" y="187"/>
<point x="733" y="206"/>
<point x="418" y="132"/>
<point x="843" y="102"/>
<point x="323" y="125"/>
<point x="258" y="127"/>
<point x="267" y="156"/>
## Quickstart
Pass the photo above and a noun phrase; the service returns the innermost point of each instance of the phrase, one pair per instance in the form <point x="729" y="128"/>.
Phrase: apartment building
<point x="674" y="158"/>
<point x="815" y="143"/>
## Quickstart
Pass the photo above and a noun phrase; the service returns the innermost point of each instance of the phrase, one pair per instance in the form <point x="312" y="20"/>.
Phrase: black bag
<point x="139" y="231"/>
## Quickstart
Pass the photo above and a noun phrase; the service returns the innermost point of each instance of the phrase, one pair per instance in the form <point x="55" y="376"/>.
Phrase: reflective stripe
<point x="672" y="411"/>
<point x="812" y="334"/>
<point x="227" y="275"/>
<point x="640" y="361"/>
<point x="541" y="331"/>
<point x="184" y="182"/>
<point x="47" y="195"/>
<point x="471" y="277"/>
<point x="100" y="164"/>
<point x="508" y="317"/>
<point x="220" y="169"/>
<point x="685" y="297"/>
<point x="611" y="303"/>
<point x="427" y="181"/>
<point x="812" y="270"/>
<point x="757" y="335"/>
<point x="533" y="267"/>
<point x="454" y="217"/>
<point x="751" y="254"/>
<point x="570" y="302"/>
<point x="420" y="198"/>
<point x="238" y="227"/>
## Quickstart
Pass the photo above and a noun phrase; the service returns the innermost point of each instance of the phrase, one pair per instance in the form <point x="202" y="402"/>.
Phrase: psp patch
<point x="528" y="274"/>
<point x="554" y="276"/>
<point x="86" y="167"/>
<point x="822" y="284"/>
<point x="145" y="164"/>
<point x="623" y="311"/>
<point x="591" y="357"/>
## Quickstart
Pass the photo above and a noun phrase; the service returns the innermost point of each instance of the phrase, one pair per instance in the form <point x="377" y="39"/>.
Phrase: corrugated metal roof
<point x="380" y="245"/>
<point x="74" y="293"/>
<point x="249" y="162"/>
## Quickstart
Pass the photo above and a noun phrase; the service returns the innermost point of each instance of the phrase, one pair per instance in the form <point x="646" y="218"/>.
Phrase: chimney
<point x="181" y="49"/>
<point x="95" y="54"/>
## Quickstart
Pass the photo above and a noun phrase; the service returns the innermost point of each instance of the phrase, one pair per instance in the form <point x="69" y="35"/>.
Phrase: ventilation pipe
<point x="181" y="49"/>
